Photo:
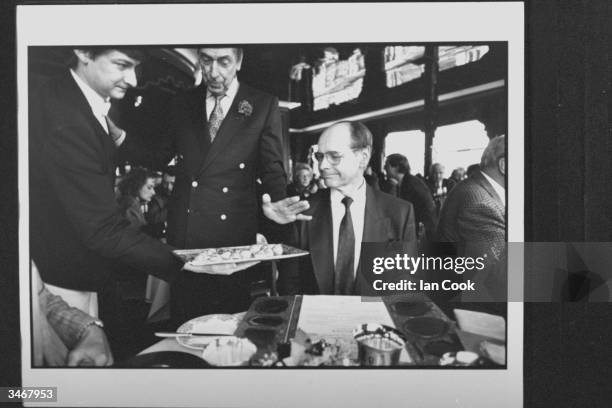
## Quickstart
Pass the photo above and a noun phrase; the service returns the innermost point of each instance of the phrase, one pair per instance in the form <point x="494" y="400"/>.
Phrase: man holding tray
<point x="78" y="236"/>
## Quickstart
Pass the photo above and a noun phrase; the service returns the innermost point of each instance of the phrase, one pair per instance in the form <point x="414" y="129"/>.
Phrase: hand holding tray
<point x="228" y="260"/>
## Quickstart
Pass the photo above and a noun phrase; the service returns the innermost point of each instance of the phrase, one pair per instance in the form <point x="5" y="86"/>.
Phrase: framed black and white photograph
<point x="242" y="204"/>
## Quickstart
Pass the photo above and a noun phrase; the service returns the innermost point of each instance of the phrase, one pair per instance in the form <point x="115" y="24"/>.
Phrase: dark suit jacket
<point x="386" y="219"/>
<point x="214" y="202"/>
<point x="415" y="190"/>
<point x="474" y="216"/>
<point x="78" y="234"/>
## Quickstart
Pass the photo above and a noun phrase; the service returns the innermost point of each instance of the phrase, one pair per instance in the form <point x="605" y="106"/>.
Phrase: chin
<point x="119" y="94"/>
<point x="330" y="182"/>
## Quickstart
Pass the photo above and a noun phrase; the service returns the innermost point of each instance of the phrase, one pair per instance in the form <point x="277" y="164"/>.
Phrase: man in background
<point x="474" y="216"/>
<point x="414" y="190"/>
<point x="157" y="214"/>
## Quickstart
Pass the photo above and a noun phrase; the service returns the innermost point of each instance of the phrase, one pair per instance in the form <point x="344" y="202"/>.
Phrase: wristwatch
<point x="95" y="322"/>
<point x="92" y="322"/>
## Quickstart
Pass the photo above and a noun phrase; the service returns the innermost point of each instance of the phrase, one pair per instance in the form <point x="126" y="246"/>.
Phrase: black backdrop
<point x="567" y="194"/>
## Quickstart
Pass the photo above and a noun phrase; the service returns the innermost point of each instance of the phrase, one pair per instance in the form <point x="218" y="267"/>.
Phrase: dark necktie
<point x="216" y="117"/>
<point x="345" y="259"/>
<point x="113" y="130"/>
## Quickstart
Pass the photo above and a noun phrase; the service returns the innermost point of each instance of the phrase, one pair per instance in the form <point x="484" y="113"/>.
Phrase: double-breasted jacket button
<point x="241" y="165"/>
<point x="225" y="189"/>
<point x="188" y="210"/>
<point x="223" y="217"/>
<point x="194" y="184"/>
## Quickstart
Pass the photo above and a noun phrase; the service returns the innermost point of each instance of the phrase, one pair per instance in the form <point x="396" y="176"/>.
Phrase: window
<point x="459" y="145"/>
<point x="409" y="143"/>
<point x="335" y="81"/>
<point x="399" y="64"/>
<point x="450" y="57"/>
<point x="405" y="63"/>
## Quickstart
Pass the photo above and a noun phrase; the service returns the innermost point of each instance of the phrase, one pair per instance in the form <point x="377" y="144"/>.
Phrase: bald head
<point x="493" y="161"/>
<point x="343" y="153"/>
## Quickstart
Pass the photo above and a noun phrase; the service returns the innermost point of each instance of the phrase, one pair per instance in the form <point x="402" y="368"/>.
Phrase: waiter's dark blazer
<point x="215" y="201"/>
<point x="78" y="235"/>
<point x="387" y="219"/>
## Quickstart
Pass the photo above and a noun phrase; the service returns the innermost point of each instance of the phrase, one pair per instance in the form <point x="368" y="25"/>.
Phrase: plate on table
<point x="214" y="323"/>
<point x="237" y="254"/>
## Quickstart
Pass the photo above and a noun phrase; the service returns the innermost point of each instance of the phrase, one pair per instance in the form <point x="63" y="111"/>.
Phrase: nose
<point x="324" y="163"/>
<point x="214" y="69"/>
<point x="130" y="77"/>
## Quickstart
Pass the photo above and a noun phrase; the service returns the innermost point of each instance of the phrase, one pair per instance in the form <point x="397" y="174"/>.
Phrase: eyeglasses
<point x="332" y="157"/>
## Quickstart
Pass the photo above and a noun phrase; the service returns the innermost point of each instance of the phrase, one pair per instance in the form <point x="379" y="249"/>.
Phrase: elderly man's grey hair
<point x="495" y="150"/>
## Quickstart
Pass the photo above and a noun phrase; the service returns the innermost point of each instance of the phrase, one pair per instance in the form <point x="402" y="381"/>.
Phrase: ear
<point x="365" y="158"/>
<point x="501" y="165"/>
<point x="239" y="64"/>
<point x="83" y="56"/>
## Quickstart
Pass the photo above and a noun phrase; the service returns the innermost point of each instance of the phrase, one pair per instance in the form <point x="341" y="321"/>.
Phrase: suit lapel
<point x="197" y="116"/>
<point x="83" y="106"/>
<point x="229" y="129"/>
<point x="375" y="229"/>
<point x="321" y="243"/>
<point x="374" y="225"/>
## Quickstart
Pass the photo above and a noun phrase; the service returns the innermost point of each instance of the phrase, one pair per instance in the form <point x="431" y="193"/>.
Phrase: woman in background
<point x="126" y="306"/>
<point x="303" y="184"/>
<point x="135" y="193"/>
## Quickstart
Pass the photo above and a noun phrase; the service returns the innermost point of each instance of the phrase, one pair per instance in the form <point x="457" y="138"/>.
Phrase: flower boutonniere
<point x="245" y="108"/>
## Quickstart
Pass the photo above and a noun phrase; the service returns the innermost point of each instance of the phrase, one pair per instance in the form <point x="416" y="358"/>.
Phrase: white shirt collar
<point x="99" y="105"/>
<point x="357" y="195"/>
<point x="499" y="189"/>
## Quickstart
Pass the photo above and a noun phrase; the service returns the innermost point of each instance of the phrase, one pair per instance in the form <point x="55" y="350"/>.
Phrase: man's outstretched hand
<point x="286" y="210"/>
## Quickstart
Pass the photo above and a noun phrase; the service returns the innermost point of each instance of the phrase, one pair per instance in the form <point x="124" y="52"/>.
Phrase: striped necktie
<point x="216" y="117"/>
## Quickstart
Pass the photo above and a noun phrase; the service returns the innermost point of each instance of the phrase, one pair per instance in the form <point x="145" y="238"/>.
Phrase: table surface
<point x="171" y="344"/>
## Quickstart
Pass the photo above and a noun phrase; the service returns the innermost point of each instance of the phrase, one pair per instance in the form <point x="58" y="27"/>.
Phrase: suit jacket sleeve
<point x="479" y="225"/>
<point x="68" y="322"/>
<point x="77" y="173"/>
<point x="270" y="167"/>
<point x="409" y="230"/>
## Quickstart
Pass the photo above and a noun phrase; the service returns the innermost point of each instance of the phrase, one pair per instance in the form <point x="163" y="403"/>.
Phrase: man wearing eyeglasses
<point x="346" y="214"/>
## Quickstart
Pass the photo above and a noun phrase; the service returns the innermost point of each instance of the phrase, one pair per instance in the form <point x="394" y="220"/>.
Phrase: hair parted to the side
<point x="399" y="161"/>
<point x="239" y="52"/>
<point x="94" y="52"/>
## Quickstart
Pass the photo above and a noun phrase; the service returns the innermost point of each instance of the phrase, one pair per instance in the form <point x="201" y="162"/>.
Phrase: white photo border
<point x="244" y="23"/>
